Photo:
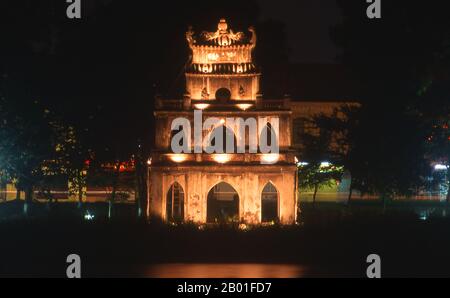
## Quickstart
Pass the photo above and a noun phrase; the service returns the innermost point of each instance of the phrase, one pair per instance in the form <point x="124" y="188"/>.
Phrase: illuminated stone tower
<point x="253" y="186"/>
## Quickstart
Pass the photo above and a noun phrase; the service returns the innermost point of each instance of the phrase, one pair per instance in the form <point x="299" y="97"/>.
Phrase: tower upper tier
<point x="222" y="65"/>
<point x="222" y="47"/>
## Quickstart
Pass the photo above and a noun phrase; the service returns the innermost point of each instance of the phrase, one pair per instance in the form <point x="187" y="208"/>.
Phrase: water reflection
<point x="225" y="271"/>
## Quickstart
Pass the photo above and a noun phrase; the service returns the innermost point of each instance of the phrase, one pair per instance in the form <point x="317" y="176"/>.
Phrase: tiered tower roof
<point x="222" y="52"/>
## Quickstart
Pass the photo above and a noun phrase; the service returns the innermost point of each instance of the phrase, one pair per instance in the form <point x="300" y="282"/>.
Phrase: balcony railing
<point x="188" y="104"/>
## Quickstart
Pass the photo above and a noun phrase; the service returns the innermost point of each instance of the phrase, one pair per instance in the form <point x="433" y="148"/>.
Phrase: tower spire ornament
<point x="223" y="36"/>
<point x="190" y="37"/>
<point x="253" y="39"/>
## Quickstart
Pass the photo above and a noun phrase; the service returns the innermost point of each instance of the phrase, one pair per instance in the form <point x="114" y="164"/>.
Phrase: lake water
<point x="225" y="271"/>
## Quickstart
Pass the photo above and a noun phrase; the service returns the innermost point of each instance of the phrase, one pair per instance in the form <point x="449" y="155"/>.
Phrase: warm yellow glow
<point x="239" y="56"/>
<point x="207" y="68"/>
<point x="202" y="106"/>
<point x="231" y="55"/>
<point x="222" y="121"/>
<point x="149" y="161"/>
<point x="213" y="56"/>
<point x="270" y="158"/>
<point x="222" y="158"/>
<point x="178" y="158"/>
<point x="222" y="46"/>
<point x="244" y="106"/>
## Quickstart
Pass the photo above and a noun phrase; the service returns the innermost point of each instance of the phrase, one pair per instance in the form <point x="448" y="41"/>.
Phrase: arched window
<point x="175" y="203"/>
<point x="182" y="142"/>
<point x="226" y="137"/>
<point x="223" y="94"/>
<point x="222" y="204"/>
<point x="174" y="133"/>
<point x="269" y="203"/>
<point x="268" y="137"/>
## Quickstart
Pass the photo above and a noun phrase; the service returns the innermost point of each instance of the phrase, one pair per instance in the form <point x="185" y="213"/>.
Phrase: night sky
<point x="307" y="24"/>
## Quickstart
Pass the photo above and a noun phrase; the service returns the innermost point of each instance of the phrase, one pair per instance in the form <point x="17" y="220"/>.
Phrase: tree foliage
<point x="398" y="61"/>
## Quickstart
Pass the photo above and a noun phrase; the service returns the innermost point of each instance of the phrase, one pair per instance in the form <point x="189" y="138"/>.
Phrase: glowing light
<point x="213" y="56"/>
<point x="296" y="160"/>
<point x="222" y="158"/>
<point x="223" y="42"/>
<point x="88" y="216"/>
<point x="440" y="167"/>
<point x="423" y="216"/>
<point x="149" y="161"/>
<point x="231" y="54"/>
<point x="206" y="68"/>
<point x="270" y="158"/>
<point x="302" y="164"/>
<point x="244" y="106"/>
<point x="178" y="158"/>
<point x="325" y="164"/>
<point x="222" y="121"/>
<point x="201" y="106"/>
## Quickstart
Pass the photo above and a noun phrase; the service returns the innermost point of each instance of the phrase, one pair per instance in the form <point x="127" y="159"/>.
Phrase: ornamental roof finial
<point x="190" y="36"/>
<point x="223" y="36"/>
<point x="222" y="26"/>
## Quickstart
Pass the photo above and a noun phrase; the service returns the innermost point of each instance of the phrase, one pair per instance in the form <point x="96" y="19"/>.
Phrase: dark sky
<point x="307" y="23"/>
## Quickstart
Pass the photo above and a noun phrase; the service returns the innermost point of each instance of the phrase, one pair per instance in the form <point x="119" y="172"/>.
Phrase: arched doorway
<point x="269" y="203"/>
<point x="222" y="204"/>
<point x="175" y="203"/>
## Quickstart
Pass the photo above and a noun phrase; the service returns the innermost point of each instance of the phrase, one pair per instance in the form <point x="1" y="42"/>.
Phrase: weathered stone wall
<point x="164" y="122"/>
<point x="249" y="83"/>
<point x="247" y="181"/>
<point x="207" y="55"/>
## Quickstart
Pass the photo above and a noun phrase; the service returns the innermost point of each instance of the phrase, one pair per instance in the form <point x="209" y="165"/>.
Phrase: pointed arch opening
<point x="223" y="204"/>
<point x="182" y="141"/>
<point x="268" y="137"/>
<point x="269" y="204"/>
<point x="175" y="203"/>
<point x="223" y="138"/>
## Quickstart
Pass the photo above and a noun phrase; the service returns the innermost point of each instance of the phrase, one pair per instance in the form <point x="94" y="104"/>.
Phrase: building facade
<point x="250" y="187"/>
